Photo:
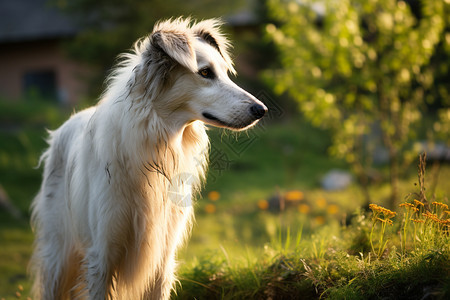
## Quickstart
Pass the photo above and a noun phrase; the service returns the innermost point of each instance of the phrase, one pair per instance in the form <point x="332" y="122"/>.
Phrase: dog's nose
<point x="258" y="110"/>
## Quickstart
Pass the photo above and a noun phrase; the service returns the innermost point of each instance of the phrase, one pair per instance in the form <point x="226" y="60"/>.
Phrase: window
<point x="40" y="84"/>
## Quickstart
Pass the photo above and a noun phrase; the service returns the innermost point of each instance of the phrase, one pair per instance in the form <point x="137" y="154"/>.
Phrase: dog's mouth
<point x="220" y="123"/>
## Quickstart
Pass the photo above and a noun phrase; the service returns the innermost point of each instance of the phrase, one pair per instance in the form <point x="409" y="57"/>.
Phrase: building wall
<point x="19" y="59"/>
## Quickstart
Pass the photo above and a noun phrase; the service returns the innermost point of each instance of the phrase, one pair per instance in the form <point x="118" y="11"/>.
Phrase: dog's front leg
<point x="164" y="281"/>
<point x="98" y="275"/>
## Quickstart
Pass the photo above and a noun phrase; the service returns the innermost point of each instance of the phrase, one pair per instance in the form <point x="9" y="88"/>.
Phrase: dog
<point x="119" y="178"/>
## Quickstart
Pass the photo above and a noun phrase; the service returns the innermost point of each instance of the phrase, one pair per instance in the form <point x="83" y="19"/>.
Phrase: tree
<point x="357" y="67"/>
<point x="110" y="27"/>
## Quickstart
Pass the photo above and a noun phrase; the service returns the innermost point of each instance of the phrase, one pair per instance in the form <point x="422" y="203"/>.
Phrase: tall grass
<point x="401" y="254"/>
<point x="265" y="254"/>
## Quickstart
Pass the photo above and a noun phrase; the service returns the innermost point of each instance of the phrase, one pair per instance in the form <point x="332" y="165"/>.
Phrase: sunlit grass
<point x="239" y="241"/>
<point x="15" y="250"/>
<point x="323" y="264"/>
<point x="382" y="253"/>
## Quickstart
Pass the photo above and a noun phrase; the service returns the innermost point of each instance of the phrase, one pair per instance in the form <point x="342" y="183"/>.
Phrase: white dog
<point x="115" y="201"/>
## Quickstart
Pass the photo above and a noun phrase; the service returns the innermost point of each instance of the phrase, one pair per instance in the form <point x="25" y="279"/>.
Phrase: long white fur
<point x="115" y="201"/>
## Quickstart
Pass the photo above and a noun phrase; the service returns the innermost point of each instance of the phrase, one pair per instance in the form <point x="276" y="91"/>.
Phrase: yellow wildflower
<point x="406" y="204"/>
<point x="417" y="202"/>
<point x="210" y="208"/>
<point x="431" y="216"/>
<point x="319" y="220"/>
<point x="386" y="212"/>
<point x="444" y="206"/>
<point x="263" y="204"/>
<point x="417" y="221"/>
<point x="332" y="209"/>
<point x="304" y="208"/>
<point x="321" y="202"/>
<point x="214" y="195"/>
<point x="294" y="196"/>
<point x="385" y="221"/>
<point x="375" y="207"/>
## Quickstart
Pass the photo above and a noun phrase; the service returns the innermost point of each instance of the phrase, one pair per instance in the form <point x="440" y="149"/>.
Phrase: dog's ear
<point x="176" y="45"/>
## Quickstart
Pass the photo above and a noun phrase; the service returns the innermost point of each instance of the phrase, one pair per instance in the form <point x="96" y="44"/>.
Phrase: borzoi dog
<point x="115" y="201"/>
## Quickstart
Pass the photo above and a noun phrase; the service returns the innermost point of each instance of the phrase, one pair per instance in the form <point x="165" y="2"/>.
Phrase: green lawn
<point x="234" y="238"/>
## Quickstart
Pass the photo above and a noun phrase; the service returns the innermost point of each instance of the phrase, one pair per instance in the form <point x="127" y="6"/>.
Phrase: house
<point x="32" y="59"/>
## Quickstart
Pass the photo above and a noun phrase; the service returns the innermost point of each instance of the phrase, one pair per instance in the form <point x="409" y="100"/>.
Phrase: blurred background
<point x="356" y="91"/>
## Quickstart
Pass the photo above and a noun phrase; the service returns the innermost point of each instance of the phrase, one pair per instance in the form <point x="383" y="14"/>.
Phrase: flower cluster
<point x="409" y="206"/>
<point x="213" y="196"/>
<point x="434" y="217"/>
<point x="418" y="203"/>
<point x="318" y="209"/>
<point x="385" y="221"/>
<point x="442" y="205"/>
<point x="428" y="224"/>
<point x="387" y="213"/>
<point x="418" y="221"/>
<point x="418" y="206"/>
<point x="431" y="216"/>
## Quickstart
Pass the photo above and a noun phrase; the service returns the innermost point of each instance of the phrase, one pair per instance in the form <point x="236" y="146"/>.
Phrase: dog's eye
<point x="206" y="73"/>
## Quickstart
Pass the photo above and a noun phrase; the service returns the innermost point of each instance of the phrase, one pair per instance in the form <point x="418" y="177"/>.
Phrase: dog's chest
<point x="180" y="189"/>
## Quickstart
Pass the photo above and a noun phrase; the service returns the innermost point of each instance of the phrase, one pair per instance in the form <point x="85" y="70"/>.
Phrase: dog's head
<point x="187" y="66"/>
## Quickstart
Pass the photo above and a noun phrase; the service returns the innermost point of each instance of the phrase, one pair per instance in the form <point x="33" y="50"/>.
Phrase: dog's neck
<point x="151" y="145"/>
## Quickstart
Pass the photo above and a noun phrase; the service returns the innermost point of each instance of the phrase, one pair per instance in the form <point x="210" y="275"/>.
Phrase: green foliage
<point x="22" y="140"/>
<point x="33" y="112"/>
<point x="360" y="66"/>
<point x="111" y="27"/>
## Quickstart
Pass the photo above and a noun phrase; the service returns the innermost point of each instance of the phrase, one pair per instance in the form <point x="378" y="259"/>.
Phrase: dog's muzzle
<point x="239" y="122"/>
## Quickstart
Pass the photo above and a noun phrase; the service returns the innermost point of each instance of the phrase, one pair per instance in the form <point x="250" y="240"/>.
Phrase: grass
<point x="336" y="262"/>
<point x="330" y="272"/>
<point x="22" y="133"/>
<point x="15" y="250"/>
<point x="242" y="245"/>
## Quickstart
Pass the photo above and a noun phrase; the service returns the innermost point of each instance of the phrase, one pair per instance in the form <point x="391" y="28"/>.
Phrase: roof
<point x="243" y="18"/>
<point x="27" y="20"/>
